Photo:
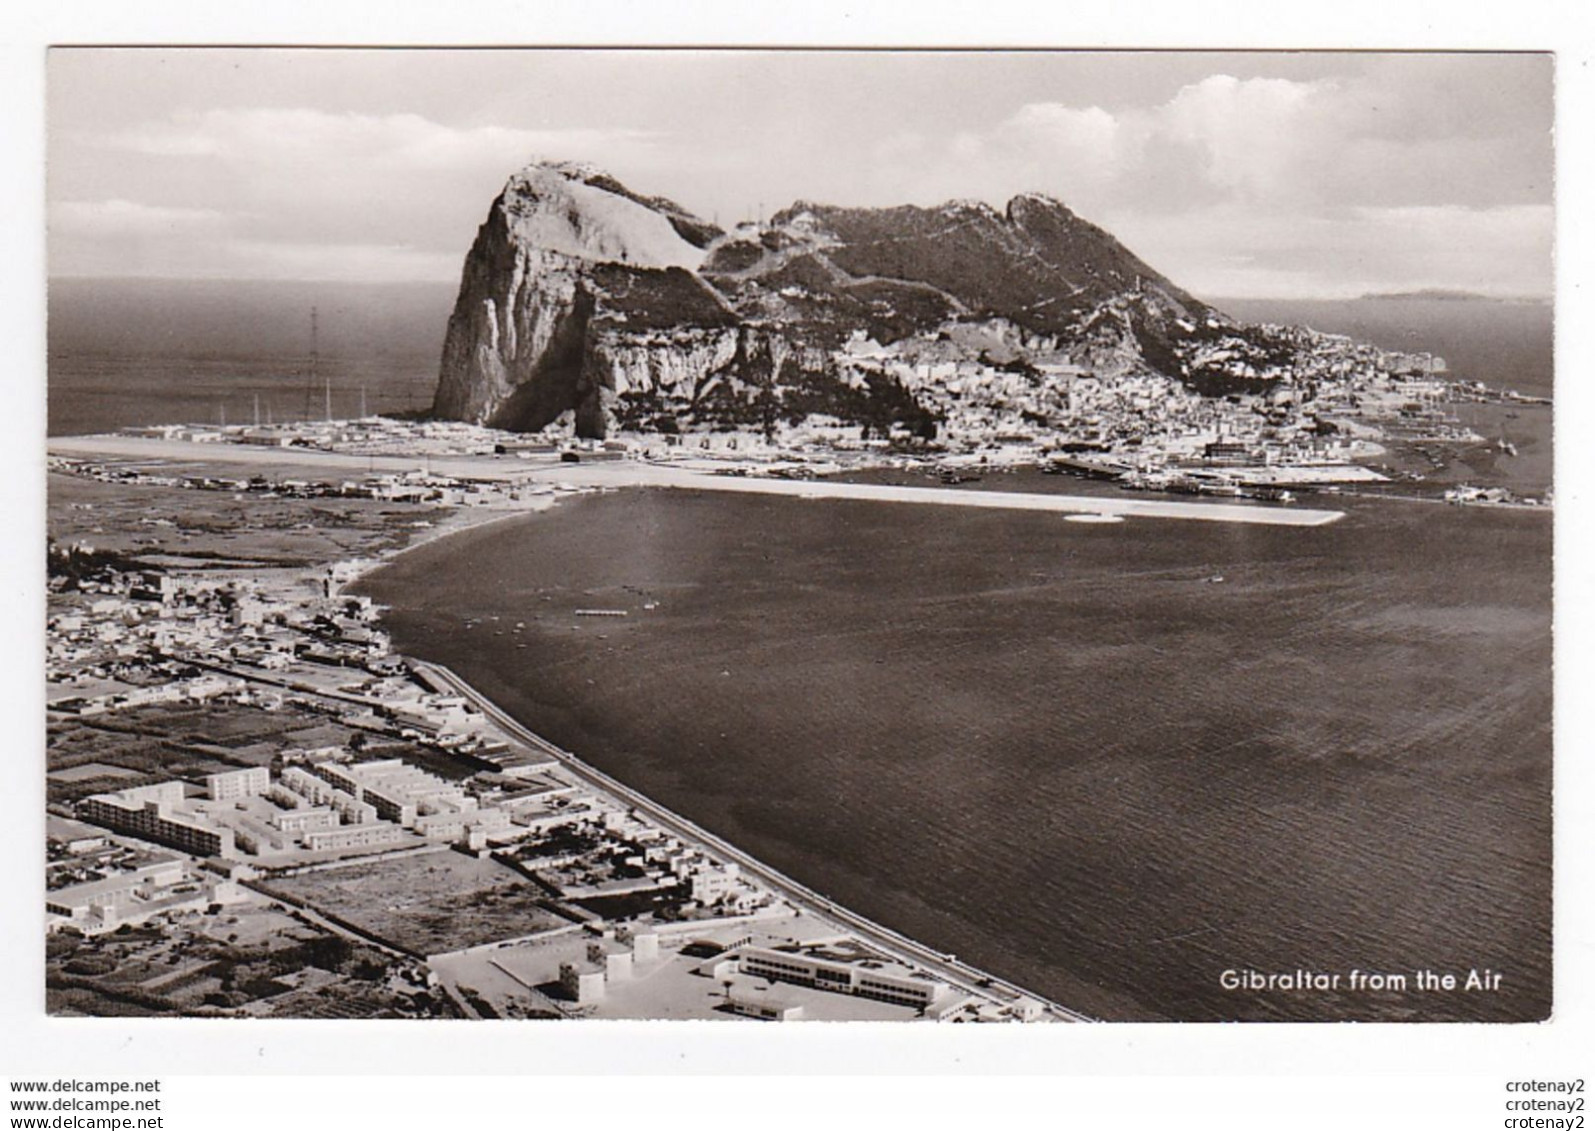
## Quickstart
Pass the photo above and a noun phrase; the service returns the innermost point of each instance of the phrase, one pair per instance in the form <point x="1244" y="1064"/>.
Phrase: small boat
<point x="1272" y="492"/>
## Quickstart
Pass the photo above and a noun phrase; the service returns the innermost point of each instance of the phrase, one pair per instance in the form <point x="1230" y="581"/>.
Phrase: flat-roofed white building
<point x="309" y="820"/>
<point x="399" y="791"/>
<point x="752" y="998"/>
<point x="354" y="836"/>
<point x="583" y="982"/>
<point x="320" y="792"/>
<point x="644" y="944"/>
<point x="150" y="812"/>
<point x="128" y="897"/>
<point x="868" y="978"/>
<point x="613" y="958"/>
<point x="74" y="836"/>
<point x="234" y="784"/>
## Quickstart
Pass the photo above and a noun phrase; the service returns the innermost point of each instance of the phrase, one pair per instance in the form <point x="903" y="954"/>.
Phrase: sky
<point x="1261" y="174"/>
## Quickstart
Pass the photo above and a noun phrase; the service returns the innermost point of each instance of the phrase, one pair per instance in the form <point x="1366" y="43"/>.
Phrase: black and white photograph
<point x="953" y="537"/>
<point x="708" y="534"/>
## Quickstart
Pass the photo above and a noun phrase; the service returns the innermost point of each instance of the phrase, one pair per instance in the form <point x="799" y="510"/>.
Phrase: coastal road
<point x="904" y="949"/>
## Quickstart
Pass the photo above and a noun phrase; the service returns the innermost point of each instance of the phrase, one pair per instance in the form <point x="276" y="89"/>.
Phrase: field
<point x="217" y="529"/>
<point x="249" y="959"/>
<point x="427" y="904"/>
<point x="185" y="740"/>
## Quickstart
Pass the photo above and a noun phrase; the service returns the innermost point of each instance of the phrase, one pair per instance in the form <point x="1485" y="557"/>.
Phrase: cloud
<point x="1232" y="251"/>
<point x="1089" y="143"/>
<point x="271" y="137"/>
<point x="1256" y="137"/>
<point x="116" y="218"/>
<point x="125" y="237"/>
<point x="1234" y="185"/>
<point x="1076" y="153"/>
<point x="303" y="190"/>
<point x="1389" y="171"/>
<point x="1348" y="141"/>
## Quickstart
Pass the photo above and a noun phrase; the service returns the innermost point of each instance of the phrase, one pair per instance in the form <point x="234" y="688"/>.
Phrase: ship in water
<point x="1100" y="467"/>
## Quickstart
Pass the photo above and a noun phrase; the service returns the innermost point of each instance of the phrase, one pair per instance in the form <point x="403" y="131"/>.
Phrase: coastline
<point x="895" y="944"/>
<point x="539" y="492"/>
<point x="456" y="521"/>
<point x="636" y="473"/>
<point x="340" y="567"/>
<point x="898" y="946"/>
<point x="643" y="721"/>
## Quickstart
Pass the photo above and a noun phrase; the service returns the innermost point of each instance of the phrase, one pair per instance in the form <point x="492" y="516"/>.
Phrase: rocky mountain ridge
<point x="583" y="301"/>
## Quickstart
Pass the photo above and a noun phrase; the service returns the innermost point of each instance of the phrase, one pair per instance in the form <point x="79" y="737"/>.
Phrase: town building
<point x="132" y="896"/>
<point x="354" y="836"/>
<point x="868" y="978"/>
<point x="73" y="837"/>
<point x="234" y="784"/>
<point x="306" y="820"/>
<point x="749" y="997"/>
<point x="399" y="792"/>
<point x="150" y="812"/>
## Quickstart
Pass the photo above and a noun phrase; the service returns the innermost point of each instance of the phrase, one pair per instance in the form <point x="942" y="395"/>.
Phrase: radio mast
<point x="315" y="358"/>
<point x="315" y="363"/>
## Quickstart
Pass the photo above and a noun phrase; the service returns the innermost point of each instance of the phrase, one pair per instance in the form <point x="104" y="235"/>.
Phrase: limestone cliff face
<point x="582" y="297"/>
<point x="669" y="364"/>
<point x="517" y="326"/>
<point x="635" y="380"/>
<point x="518" y="340"/>
<point x="690" y="378"/>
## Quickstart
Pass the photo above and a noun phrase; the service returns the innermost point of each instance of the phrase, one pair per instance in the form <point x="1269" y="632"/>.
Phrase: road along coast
<point x="897" y="946"/>
<point x="553" y="476"/>
<point x="324" y="579"/>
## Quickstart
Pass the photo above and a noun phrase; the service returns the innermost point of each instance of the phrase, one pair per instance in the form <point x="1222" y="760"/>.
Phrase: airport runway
<point x="640" y="473"/>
